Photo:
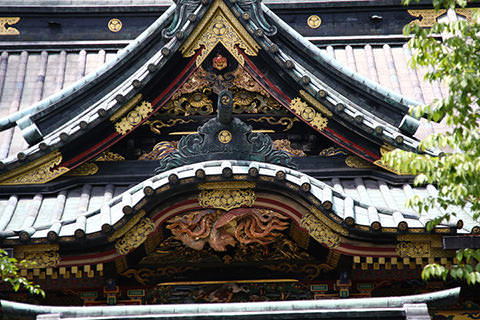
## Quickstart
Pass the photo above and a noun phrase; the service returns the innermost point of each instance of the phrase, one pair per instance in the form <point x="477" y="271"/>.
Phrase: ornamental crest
<point x="226" y="199"/>
<point x="220" y="30"/>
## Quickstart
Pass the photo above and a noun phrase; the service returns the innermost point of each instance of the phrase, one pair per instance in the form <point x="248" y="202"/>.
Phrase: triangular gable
<point x="166" y="56"/>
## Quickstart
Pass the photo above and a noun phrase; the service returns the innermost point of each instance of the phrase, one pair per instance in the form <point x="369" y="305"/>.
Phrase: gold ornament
<point x="219" y="26"/>
<point x="332" y="151"/>
<point x="189" y="104"/>
<point x="320" y="231"/>
<point x="10" y="31"/>
<point x="285" y="145"/>
<point x="466" y="12"/>
<point x="413" y="249"/>
<point x="135" y="236"/>
<point x="38" y="256"/>
<point x="283" y="121"/>
<point x="224" y="136"/>
<point x="429" y="16"/>
<point x="308" y="114"/>
<point x="226" y="185"/>
<point x="359" y="163"/>
<point x="133" y="118"/>
<point x="110" y="156"/>
<point x="242" y="79"/>
<point x="314" y="102"/>
<point x="386" y="148"/>
<point x="39" y="171"/>
<point x="314" y="21"/>
<point x="37" y="260"/>
<point x="115" y="25"/>
<point x="226" y="199"/>
<point x="156" y="125"/>
<point x="86" y="169"/>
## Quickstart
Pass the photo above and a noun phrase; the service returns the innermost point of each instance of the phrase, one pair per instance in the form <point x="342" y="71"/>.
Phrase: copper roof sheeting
<point x="27" y="77"/>
<point x="388" y="66"/>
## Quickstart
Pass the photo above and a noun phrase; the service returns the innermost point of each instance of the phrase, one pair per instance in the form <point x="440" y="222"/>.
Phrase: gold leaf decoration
<point x="242" y="79"/>
<point x="156" y="125"/>
<point x="160" y="150"/>
<point x="413" y="249"/>
<point x="308" y="114"/>
<point x="10" y="31"/>
<point x="283" y="121"/>
<point x="384" y="149"/>
<point x="332" y="151"/>
<point x="429" y="16"/>
<point x="229" y="32"/>
<point x="135" y="236"/>
<point x="133" y="118"/>
<point x="226" y="185"/>
<point x="39" y="260"/>
<point x="285" y="145"/>
<point x="320" y="231"/>
<point x="110" y="156"/>
<point x="39" y="171"/>
<point x="38" y="256"/>
<point x="189" y="104"/>
<point x="86" y="169"/>
<point x="314" y="102"/>
<point x="226" y="199"/>
<point x="358" y="163"/>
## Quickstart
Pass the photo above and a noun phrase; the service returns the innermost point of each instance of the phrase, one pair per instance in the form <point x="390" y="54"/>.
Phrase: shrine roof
<point x="89" y="209"/>
<point x="80" y="111"/>
<point x="399" y="307"/>
<point x="28" y="75"/>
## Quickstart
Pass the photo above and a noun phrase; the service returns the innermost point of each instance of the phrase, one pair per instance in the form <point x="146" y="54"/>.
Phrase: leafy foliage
<point x="9" y="268"/>
<point x="450" y="51"/>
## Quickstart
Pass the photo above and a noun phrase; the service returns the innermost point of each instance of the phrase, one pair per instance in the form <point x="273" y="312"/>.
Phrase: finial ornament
<point x="224" y="137"/>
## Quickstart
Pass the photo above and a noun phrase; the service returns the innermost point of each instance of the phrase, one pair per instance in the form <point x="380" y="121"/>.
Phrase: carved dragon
<point x="220" y="229"/>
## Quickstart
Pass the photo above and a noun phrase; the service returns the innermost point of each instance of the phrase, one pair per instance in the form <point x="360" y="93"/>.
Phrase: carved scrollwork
<point x="135" y="236"/>
<point x="285" y="145"/>
<point x="226" y="199"/>
<point x="283" y="121"/>
<point x="43" y="259"/>
<point x="407" y="249"/>
<point x="332" y="151"/>
<point x="40" y="171"/>
<point x="110" y="156"/>
<point x="320" y="231"/>
<point x="144" y="275"/>
<point x="156" y="125"/>
<point x="197" y="103"/>
<point x="244" y="145"/>
<point x="310" y="270"/>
